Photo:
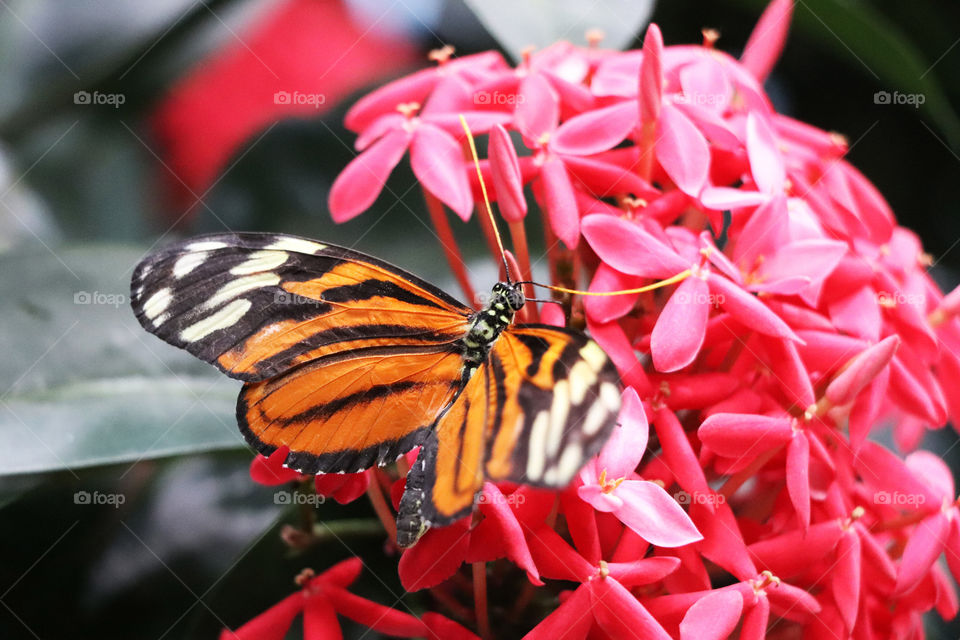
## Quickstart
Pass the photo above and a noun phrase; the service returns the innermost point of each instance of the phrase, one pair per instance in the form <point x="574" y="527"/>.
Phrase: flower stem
<point x="375" y="493"/>
<point x="449" y="244"/>
<point x="518" y="238"/>
<point x="480" y="599"/>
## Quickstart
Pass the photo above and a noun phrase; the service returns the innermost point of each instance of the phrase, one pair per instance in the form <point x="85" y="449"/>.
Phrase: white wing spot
<point x="570" y="462"/>
<point x="236" y="287"/>
<point x="206" y="245"/>
<point x="597" y="416"/>
<point x="610" y="396"/>
<point x="594" y="355"/>
<point x="158" y="303"/>
<point x="582" y="377"/>
<point x="297" y="245"/>
<point x="226" y="317"/>
<point x="260" y="261"/>
<point x="188" y="262"/>
<point x="559" y="411"/>
<point x="536" y="457"/>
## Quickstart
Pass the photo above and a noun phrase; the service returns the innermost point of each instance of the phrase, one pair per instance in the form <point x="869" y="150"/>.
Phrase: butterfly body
<point x="351" y="362"/>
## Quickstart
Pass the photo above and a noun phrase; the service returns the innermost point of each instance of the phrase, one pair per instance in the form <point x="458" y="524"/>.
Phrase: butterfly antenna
<point x="683" y="275"/>
<point x="486" y="198"/>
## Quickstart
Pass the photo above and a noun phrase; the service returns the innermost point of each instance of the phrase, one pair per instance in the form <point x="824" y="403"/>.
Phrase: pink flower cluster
<point x="804" y="322"/>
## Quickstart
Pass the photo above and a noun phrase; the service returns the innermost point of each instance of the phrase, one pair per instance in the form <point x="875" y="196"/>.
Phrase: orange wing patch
<point x="460" y="448"/>
<point x="347" y="412"/>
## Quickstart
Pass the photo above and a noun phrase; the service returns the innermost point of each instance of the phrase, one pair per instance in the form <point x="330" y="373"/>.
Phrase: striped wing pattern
<point x="258" y="304"/>
<point x="351" y="362"/>
<point x="543" y="404"/>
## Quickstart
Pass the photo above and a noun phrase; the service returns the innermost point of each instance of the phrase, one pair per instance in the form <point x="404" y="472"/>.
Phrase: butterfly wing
<point x="544" y="402"/>
<point x="557" y="397"/>
<point x="256" y="305"/>
<point x="345" y="412"/>
<point x="448" y="472"/>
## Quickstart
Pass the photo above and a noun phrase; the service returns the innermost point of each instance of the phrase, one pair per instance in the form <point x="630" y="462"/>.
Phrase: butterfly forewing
<point x="256" y="305"/>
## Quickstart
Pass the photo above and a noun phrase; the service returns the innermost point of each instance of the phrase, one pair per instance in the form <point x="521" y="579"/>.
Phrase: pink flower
<point x="609" y="484"/>
<point x="320" y="600"/>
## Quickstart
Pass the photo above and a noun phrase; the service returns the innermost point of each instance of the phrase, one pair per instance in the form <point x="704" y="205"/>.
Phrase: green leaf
<point x="81" y="383"/>
<point x="867" y="41"/>
<point x="517" y="25"/>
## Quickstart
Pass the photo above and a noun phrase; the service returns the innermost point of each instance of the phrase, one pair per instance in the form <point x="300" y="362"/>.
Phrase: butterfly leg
<point x="410" y="523"/>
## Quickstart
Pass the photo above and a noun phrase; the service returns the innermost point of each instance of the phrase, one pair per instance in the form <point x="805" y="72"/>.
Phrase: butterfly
<point x="351" y="362"/>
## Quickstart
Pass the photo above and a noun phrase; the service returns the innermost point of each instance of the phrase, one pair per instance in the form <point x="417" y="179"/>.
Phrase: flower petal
<point x="571" y="620"/>
<point x="742" y="434"/>
<point x="620" y="614"/>
<point x="607" y="308"/>
<point x="767" y="39"/>
<point x="681" y="328"/>
<point x="319" y="621"/>
<point x="925" y="545"/>
<point x="437" y="161"/>
<point x="682" y="151"/>
<point x="712" y="617"/>
<point x="861" y="370"/>
<point x="798" y="477"/>
<point x="845" y="578"/>
<point x="654" y="515"/>
<point x="505" y="169"/>
<point x="269" y="471"/>
<point x="435" y="557"/>
<point x="748" y="309"/>
<point x="595" y="131"/>
<point x="539" y="111"/>
<point x="629" y="249"/>
<point x="273" y="623"/>
<point x="373" y="615"/>
<point x="359" y="184"/>
<point x="766" y="163"/>
<point x="560" y="202"/>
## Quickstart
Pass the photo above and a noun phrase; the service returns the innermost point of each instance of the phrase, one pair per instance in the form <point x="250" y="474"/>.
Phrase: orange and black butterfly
<point x="351" y="362"/>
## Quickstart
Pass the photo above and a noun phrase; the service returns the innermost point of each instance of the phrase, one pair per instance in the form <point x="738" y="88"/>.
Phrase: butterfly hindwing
<point x="557" y="399"/>
<point x="257" y="304"/>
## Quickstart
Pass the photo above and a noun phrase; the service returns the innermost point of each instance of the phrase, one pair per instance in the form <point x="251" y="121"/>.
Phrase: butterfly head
<point x="508" y="294"/>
